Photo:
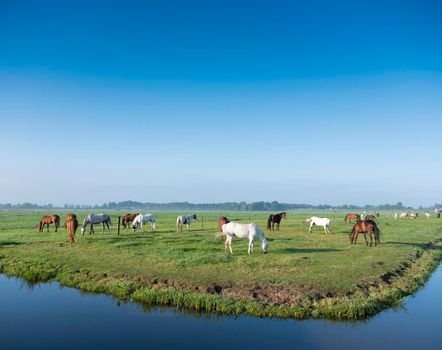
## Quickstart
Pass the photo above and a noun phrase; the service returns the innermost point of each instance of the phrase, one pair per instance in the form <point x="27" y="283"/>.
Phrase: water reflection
<point x="49" y="316"/>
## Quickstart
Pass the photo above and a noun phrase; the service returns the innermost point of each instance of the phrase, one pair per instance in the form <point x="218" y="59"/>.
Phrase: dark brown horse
<point x="364" y="227"/>
<point x="47" y="220"/>
<point x="353" y="216"/>
<point x="275" y="219"/>
<point x="127" y="219"/>
<point x="370" y="217"/>
<point x="71" y="225"/>
<point x="221" y="221"/>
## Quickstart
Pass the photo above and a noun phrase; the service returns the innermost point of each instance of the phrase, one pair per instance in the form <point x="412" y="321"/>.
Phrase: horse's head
<point x="265" y="246"/>
<point x="284" y="215"/>
<point x="308" y="220"/>
<point x="194" y="217"/>
<point x="83" y="230"/>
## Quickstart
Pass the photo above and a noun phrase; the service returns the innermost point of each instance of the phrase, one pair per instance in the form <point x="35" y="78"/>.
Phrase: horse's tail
<point x="269" y="221"/>
<point x="109" y="221"/>
<point x="178" y="223"/>
<point x="377" y="232"/>
<point x="57" y="221"/>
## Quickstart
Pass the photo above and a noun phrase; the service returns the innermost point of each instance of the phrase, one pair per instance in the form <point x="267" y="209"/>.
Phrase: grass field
<point x="303" y="275"/>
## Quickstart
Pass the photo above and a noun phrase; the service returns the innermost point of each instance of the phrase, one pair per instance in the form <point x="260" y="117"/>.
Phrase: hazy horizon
<point x="221" y="101"/>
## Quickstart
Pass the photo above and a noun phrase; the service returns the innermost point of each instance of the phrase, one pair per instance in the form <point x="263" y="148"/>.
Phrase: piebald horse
<point x="127" y="219"/>
<point x="71" y="225"/>
<point x="275" y="219"/>
<point x="47" y="220"/>
<point x="141" y="219"/>
<point x="324" y="222"/>
<point x="93" y="219"/>
<point x="249" y="231"/>
<point x="184" y="220"/>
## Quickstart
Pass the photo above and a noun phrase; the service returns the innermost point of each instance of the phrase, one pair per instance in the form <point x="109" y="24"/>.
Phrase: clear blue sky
<point x="209" y="101"/>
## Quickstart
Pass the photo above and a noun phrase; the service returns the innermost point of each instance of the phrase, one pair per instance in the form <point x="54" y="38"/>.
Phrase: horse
<point x="352" y="216"/>
<point x="427" y="214"/>
<point x="184" y="220"/>
<point x="364" y="227"/>
<point x="249" y="231"/>
<point x="141" y="219"/>
<point x="275" y="219"/>
<point x="403" y="215"/>
<point x="127" y="219"/>
<point x="324" y="222"/>
<point x="370" y="217"/>
<point x="92" y="219"/>
<point x="221" y="221"/>
<point x="71" y="225"/>
<point x="47" y="220"/>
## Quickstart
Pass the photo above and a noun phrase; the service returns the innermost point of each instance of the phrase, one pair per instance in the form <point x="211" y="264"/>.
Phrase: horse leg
<point x="328" y="229"/>
<point x="92" y="230"/>
<point x="365" y="237"/>
<point x="325" y="229"/>
<point x="355" y="238"/>
<point x="310" y="228"/>
<point x="250" y="250"/>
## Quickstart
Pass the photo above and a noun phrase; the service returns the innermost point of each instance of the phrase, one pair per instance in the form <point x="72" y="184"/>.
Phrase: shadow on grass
<point x="6" y="243"/>
<point x="310" y="250"/>
<point x="418" y="245"/>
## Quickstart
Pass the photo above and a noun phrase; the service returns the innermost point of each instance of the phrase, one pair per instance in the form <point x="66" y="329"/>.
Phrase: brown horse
<point x="127" y="219"/>
<point x="370" y="217"/>
<point x="71" y="225"/>
<point x="221" y="221"/>
<point x="47" y="220"/>
<point x="350" y="217"/>
<point x="275" y="219"/>
<point x="364" y="227"/>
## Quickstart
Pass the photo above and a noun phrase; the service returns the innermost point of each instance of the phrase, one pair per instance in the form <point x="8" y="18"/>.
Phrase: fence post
<point x="202" y="222"/>
<point x="119" y="221"/>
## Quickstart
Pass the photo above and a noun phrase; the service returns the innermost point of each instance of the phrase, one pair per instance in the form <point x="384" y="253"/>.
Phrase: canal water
<point x="48" y="316"/>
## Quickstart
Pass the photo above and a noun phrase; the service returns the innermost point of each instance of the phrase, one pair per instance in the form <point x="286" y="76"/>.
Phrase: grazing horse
<point x="127" y="219"/>
<point x="275" y="219"/>
<point x="364" y="227"/>
<point x="324" y="222"/>
<point x="370" y="217"/>
<point x="47" y="220"/>
<point x="92" y="219"/>
<point x="221" y="221"/>
<point x="249" y="231"/>
<point x="141" y="219"/>
<point x="351" y="216"/>
<point x="71" y="225"/>
<point x="184" y="220"/>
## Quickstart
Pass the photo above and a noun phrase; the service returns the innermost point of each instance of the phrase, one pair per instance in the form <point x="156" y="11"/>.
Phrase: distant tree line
<point x="226" y="206"/>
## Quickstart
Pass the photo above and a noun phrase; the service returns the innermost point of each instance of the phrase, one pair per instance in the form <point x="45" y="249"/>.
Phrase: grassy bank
<point x="304" y="275"/>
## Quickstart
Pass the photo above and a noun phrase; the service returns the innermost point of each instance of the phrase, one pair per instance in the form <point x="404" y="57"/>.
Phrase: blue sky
<point x="317" y="102"/>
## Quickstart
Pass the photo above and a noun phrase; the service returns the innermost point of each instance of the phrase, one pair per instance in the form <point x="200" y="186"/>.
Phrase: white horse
<point x="324" y="222"/>
<point x="427" y="214"/>
<point x="184" y="220"/>
<point x="403" y="215"/>
<point x="141" y="219"/>
<point x="92" y="219"/>
<point x="395" y="216"/>
<point x="249" y="231"/>
<point x="438" y="210"/>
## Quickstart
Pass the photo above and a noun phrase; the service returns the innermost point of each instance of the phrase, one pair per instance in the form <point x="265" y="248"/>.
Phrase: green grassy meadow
<point x="303" y="275"/>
